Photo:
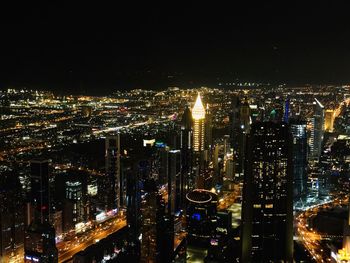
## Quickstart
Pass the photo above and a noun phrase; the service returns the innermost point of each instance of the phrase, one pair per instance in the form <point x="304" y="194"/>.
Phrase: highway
<point x="67" y="249"/>
<point x="311" y="239"/>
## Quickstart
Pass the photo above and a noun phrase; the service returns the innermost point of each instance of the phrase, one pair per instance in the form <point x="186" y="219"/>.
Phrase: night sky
<point x="97" y="49"/>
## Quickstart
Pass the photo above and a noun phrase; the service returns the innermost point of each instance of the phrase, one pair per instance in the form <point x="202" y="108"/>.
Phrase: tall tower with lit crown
<point x="198" y="115"/>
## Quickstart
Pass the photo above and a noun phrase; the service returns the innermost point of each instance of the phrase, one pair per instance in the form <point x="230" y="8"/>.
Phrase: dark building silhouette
<point x="39" y="194"/>
<point x="208" y="129"/>
<point x="12" y="216"/>
<point x="267" y="208"/>
<point x="39" y="245"/>
<point x="186" y="150"/>
<point x="175" y="190"/>
<point x="133" y="202"/>
<point x="240" y="127"/>
<point x="111" y="187"/>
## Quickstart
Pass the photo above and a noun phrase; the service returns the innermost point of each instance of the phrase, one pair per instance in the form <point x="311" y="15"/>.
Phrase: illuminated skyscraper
<point x="267" y="208"/>
<point x="317" y="130"/>
<point x="299" y="155"/>
<point x="74" y="193"/>
<point x="329" y="120"/>
<point x="112" y="181"/>
<point x="198" y="115"/>
<point x="244" y="116"/>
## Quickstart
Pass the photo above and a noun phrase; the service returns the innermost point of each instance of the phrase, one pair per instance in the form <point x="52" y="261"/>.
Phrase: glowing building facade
<point x="198" y="115"/>
<point x="317" y="130"/>
<point x="329" y="120"/>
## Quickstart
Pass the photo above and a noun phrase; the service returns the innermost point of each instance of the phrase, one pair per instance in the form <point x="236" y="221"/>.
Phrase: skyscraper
<point x="299" y="157"/>
<point x="267" y="208"/>
<point x="11" y="215"/>
<point x="329" y="120"/>
<point x="39" y="245"/>
<point x="133" y="202"/>
<point x="186" y="149"/>
<point x="240" y="127"/>
<point x="175" y="189"/>
<point x="198" y="115"/>
<point x="286" y="111"/>
<point x="152" y="214"/>
<point x="317" y="131"/>
<point x="39" y="194"/>
<point x="74" y="193"/>
<point x="112" y="180"/>
<point x="208" y="129"/>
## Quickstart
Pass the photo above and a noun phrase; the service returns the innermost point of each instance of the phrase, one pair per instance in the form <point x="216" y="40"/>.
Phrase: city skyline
<point x="155" y="133"/>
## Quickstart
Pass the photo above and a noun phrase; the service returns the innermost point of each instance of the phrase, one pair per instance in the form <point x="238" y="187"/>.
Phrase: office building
<point x="317" y="130"/>
<point x="175" y="186"/>
<point x="153" y="225"/>
<point x="208" y="129"/>
<point x="12" y="216"/>
<point x="133" y="214"/>
<point x="111" y="189"/>
<point x="329" y="120"/>
<point x="186" y="149"/>
<point x="39" y="244"/>
<point x="39" y="194"/>
<point x="299" y="157"/>
<point x="74" y="195"/>
<point x="267" y="208"/>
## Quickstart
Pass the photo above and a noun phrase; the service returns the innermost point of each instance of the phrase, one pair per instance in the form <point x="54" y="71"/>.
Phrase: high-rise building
<point x="153" y="224"/>
<point x="40" y="245"/>
<point x="39" y="194"/>
<point x="198" y="115"/>
<point x="186" y="149"/>
<point x="240" y="127"/>
<point x="74" y="194"/>
<point x="244" y="116"/>
<point x="267" y="208"/>
<point x="329" y="120"/>
<point x="317" y="130"/>
<point x="201" y="215"/>
<point x="208" y="129"/>
<point x="286" y="111"/>
<point x="216" y="164"/>
<point x="175" y="186"/>
<point x="299" y="157"/>
<point x="11" y="216"/>
<point x="133" y="203"/>
<point x="112" y="181"/>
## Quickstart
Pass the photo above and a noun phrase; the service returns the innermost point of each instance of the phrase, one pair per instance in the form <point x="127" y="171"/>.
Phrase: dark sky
<point x="100" y="48"/>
